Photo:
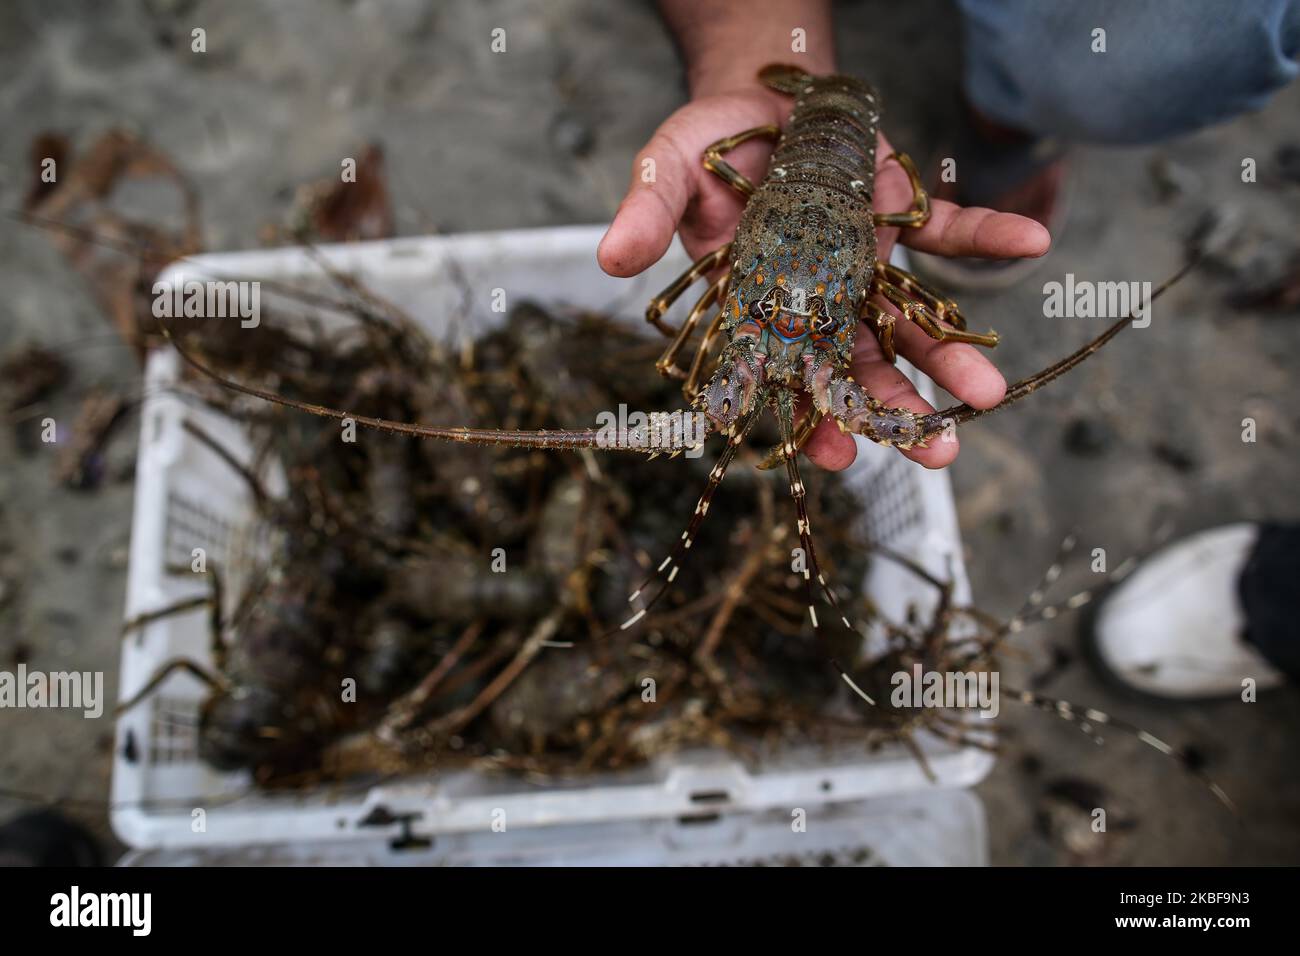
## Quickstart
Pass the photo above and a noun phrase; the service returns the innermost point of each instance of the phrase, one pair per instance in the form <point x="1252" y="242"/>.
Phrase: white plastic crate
<point x="185" y="498"/>
<point x="924" y="828"/>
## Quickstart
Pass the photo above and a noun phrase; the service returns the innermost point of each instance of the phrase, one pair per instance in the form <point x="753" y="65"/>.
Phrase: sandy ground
<point x="480" y="141"/>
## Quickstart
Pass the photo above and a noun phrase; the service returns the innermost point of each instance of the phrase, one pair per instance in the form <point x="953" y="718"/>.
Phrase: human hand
<point x="685" y="198"/>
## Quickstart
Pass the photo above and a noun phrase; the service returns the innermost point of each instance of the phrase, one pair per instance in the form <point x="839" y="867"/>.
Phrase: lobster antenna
<point x="85" y="234"/>
<point x="1089" y="719"/>
<point x="683" y="429"/>
<point x="1050" y="576"/>
<point x="934" y="423"/>
<point x="904" y="561"/>
<point x="1033" y="609"/>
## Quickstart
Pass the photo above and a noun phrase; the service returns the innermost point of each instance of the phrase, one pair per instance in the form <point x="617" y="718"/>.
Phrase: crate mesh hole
<point x="235" y="548"/>
<point x="173" y="736"/>
<point x="190" y="525"/>
<point x="893" y="509"/>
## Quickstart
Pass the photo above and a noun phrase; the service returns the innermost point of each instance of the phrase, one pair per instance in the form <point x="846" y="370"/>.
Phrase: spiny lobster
<point x="802" y="274"/>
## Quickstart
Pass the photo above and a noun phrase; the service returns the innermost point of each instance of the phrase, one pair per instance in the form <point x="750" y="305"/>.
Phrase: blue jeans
<point x="1169" y="66"/>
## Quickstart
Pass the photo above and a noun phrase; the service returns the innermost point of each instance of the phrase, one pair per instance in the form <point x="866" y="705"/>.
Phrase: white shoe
<point x="1175" y="627"/>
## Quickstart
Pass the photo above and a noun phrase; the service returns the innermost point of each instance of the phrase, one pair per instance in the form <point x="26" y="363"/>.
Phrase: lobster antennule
<point x="789" y="451"/>
<point x="670" y="566"/>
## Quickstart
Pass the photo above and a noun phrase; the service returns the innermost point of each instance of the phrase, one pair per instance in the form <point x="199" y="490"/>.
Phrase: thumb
<point x="667" y="178"/>
<point x="663" y="184"/>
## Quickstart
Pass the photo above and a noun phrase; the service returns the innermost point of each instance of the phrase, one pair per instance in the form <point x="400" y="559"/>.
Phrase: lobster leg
<point x="667" y="364"/>
<point x="178" y="607"/>
<point x="921" y="314"/>
<point x="692" y="386"/>
<point x="919" y="214"/>
<point x="214" y="603"/>
<point x="715" y="164"/>
<point x="215" y="681"/>
<point x="654" y="313"/>
<point x="942" y="306"/>
<point x="881" y="323"/>
<point x="216" y="644"/>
